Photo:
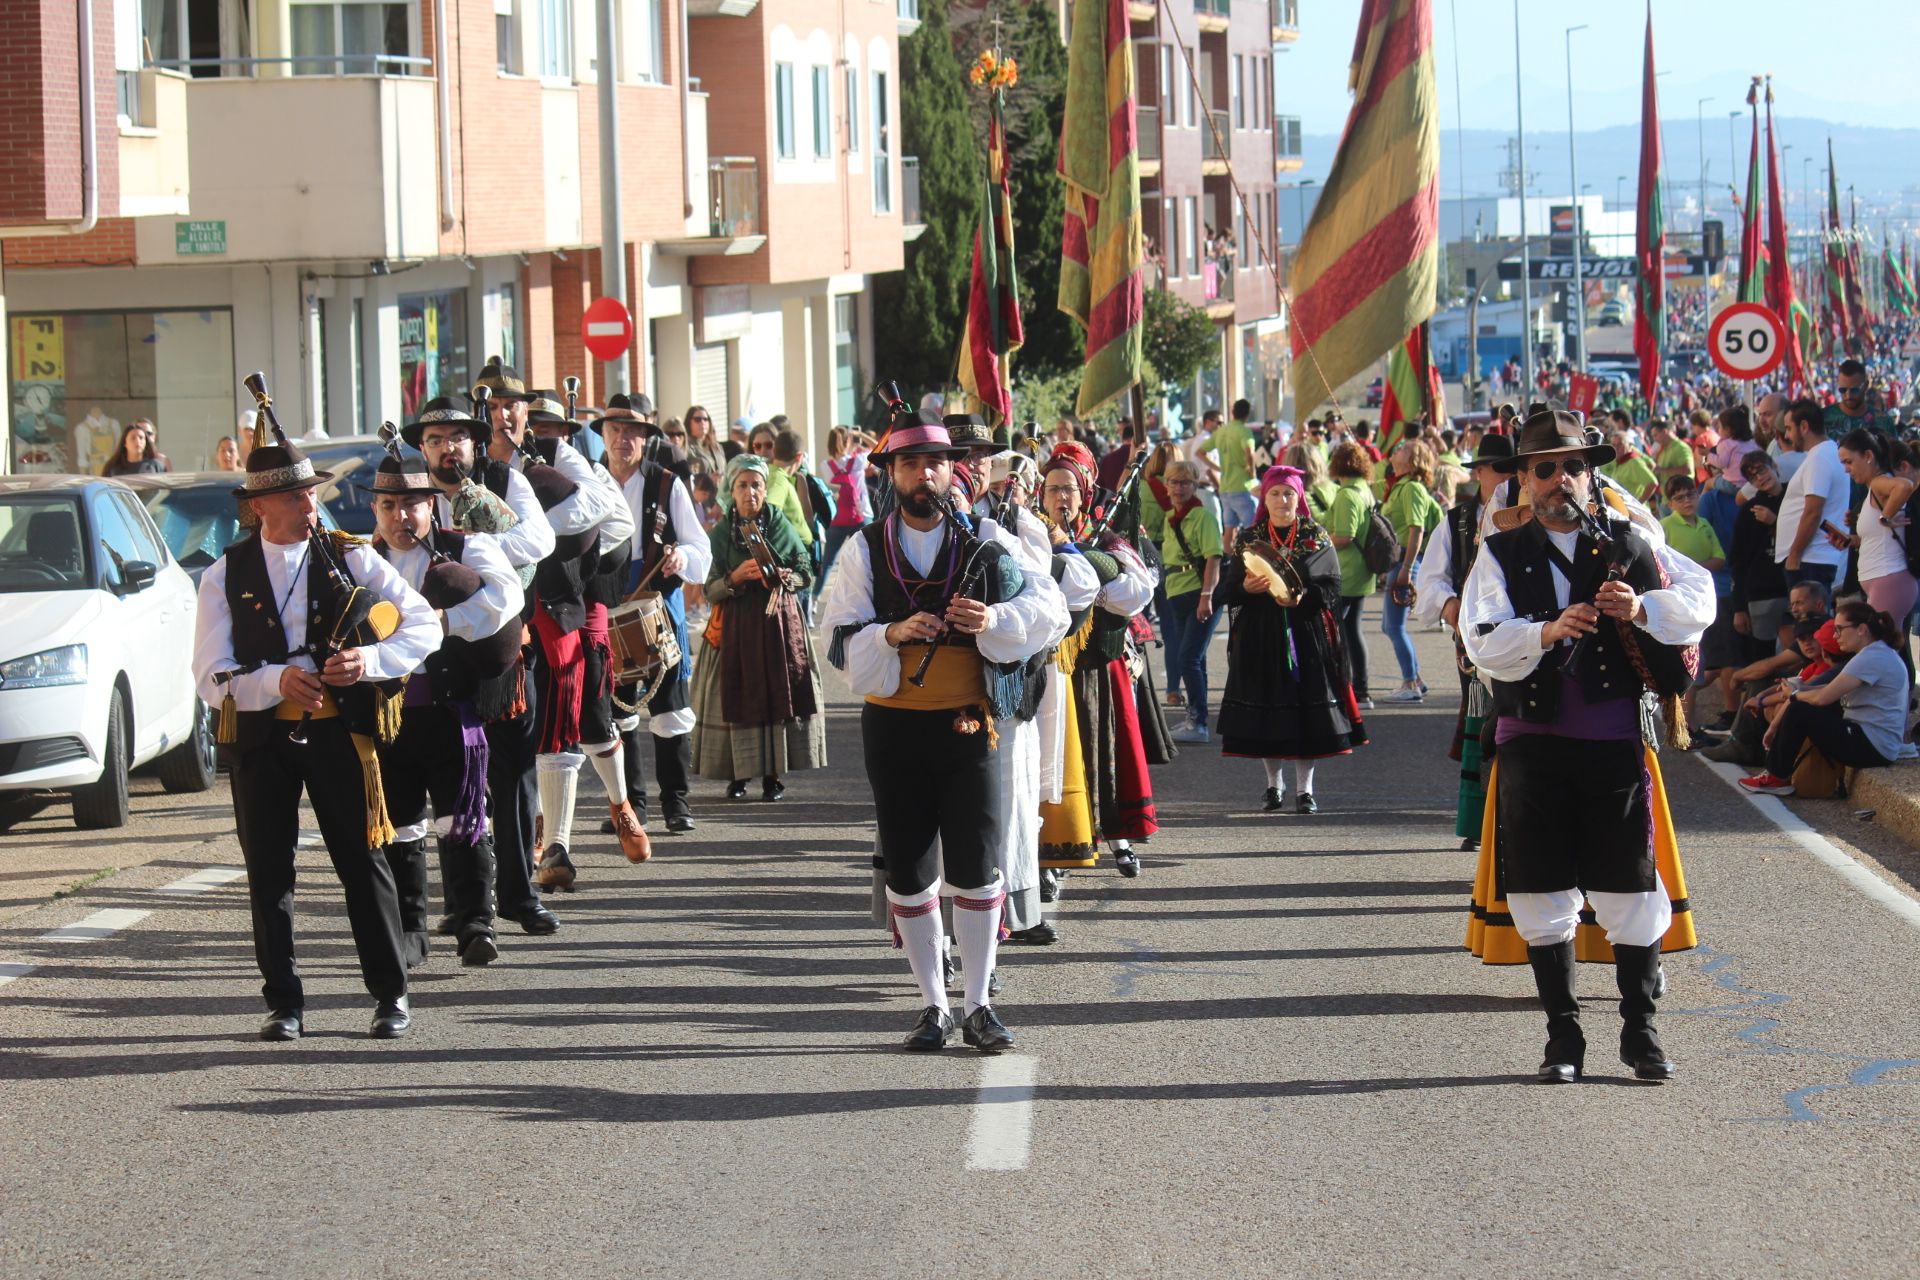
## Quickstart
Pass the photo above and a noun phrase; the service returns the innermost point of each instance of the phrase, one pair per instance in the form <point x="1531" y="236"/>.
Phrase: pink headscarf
<point x="1293" y="477"/>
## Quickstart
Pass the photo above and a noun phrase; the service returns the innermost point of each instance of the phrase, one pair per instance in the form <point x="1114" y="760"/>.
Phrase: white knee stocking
<point x="976" y="927"/>
<point x="611" y="766"/>
<point x="916" y="922"/>
<point x="1273" y="774"/>
<point x="1303" y="777"/>
<point x="559" y="778"/>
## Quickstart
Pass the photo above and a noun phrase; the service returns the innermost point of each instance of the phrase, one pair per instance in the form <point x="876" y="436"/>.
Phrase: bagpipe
<point x="363" y="618"/>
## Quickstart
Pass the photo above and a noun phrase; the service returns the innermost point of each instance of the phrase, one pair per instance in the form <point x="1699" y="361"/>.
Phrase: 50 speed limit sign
<point x="1746" y="340"/>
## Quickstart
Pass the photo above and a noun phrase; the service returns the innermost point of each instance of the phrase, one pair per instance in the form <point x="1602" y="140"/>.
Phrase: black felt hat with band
<point x="404" y="476"/>
<point x="923" y="434"/>
<point x="1553" y="431"/>
<point x="502" y="380"/>
<point x="1493" y="451"/>
<point x="625" y="408"/>
<point x="279" y="468"/>
<point x="969" y="431"/>
<point x="446" y="411"/>
<point x="546" y="406"/>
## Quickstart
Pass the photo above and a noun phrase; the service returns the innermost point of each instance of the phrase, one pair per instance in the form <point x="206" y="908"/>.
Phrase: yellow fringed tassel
<point x="227" y="731"/>
<point x="1677" y="732"/>
<point x="386" y="714"/>
<point x="379" y="826"/>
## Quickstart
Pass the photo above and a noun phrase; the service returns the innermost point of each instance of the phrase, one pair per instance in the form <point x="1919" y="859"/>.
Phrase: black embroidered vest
<point x="259" y="640"/>
<point x="1000" y="580"/>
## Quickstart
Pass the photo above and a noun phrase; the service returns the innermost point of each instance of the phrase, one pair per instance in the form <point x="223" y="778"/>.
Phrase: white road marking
<point x="1821" y="849"/>
<point x="8" y="972"/>
<point x="1003" y="1115"/>
<point x="101" y="924"/>
<point x="204" y="879"/>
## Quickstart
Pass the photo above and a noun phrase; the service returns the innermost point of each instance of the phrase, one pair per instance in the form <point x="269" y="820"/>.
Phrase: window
<point x="77" y="378"/>
<point x="882" y="147"/>
<point x="1240" y="231"/>
<point x="1165" y="95"/>
<point x="433" y="347"/>
<point x="556" y="39"/>
<point x="113" y="538"/>
<point x="1193" y="102"/>
<point x="1239" y="91"/>
<point x="352" y="35"/>
<point x="822" y="115"/>
<point x="1170" y="250"/>
<point x="649" y="65"/>
<point x="783" y="123"/>
<point x="146" y="541"/>
<point x="853" y="111"/>
<point x="1192" y="229"/>
<point x="506" y="46"/>
<point x="846" y="357"/>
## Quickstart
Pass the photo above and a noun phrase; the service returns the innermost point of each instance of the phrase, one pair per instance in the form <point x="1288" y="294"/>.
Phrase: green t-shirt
<point x="1229" y="443"/>
<point x="1347" y="518"/>
<point x="782" y="497"/>
<point x="1633" y="475"/>
<point x="1695" y="540"/>
<point x="1409" y="504"/>
<point x="1203" y="535"/>
<point x="1320" y="498"/>
<point x="1153" y="518"/>
<point x="1676" y="457"/>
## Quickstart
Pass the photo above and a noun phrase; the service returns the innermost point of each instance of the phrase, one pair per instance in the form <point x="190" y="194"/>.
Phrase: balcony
<point x="908" y="11"/>
<point x="721" y="8"/>
<point x="363" y="187"/>
<point x="155" y="177"/>
<point x="1211" y="15"/>
<point x="1142" y="10"/>
<point x="1216" y="144"/>
<point x="1286" y="20"/>
<point x="1149" y="134"/>
<point x="1287" y="157"/>
<point x="733" y="212"/>
<point x="910" y="197"/>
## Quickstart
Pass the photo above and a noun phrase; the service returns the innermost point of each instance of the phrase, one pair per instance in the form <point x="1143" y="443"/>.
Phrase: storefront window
<point x="846" y="359"/>
<point x="433" y="347"/>
<point x="75" y="378"/>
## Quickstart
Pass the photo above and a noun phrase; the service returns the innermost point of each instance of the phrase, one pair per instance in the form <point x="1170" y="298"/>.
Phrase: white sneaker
<point x="1366" y="704"/>
<point x="1406" y="693"/>
<point x="1908" y="751"/>
<point x="1191" y="732"/>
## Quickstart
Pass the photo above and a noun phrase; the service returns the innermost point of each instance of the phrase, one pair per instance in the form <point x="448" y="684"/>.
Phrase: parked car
<point x="353" y="460"/>
<point x="96" y="648"/>
<point x="197" y="515"/>
<point x="1613" y="314"/>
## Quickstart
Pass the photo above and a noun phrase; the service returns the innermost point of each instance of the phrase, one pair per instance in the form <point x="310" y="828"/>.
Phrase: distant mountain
<point x="1882" y="165"/>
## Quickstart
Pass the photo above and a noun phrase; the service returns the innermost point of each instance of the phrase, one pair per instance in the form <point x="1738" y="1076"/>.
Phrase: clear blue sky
<point x="1847" y="61"/>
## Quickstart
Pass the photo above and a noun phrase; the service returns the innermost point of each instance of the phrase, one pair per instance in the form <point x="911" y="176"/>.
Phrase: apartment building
<point x="366" y="198"/>
<point x="1206" y="84"/>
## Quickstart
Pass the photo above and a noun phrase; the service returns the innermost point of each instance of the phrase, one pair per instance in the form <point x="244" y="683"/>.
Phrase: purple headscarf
<point x="1293" y="477"/>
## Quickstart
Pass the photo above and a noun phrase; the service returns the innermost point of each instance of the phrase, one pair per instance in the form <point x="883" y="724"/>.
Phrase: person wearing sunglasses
<point x="1858" y="719"/>
<point x="1570" y="631"/>
<point x="1853" y="403"/>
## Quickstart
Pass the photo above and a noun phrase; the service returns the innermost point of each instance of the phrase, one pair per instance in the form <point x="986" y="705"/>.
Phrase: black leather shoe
<point x="1041" y="935"/>
<point x="283" y="1024"/>
<point x="737" y="790"/>
<point x="772" y="789"/>
<point x="1271" y="801"/>
<point x="1469" y="846"/>
<point x="535" y="919"/>
<point x="931" y="1033"/>
<point x="679" y="825"/>
<point x="391" y="1020"/>
<point x="949" y="970"/>
<point x="1049" y="885"/>
<point x="993" y="983"/>
<point x="1305" y="804"/>
<point x="1126" y="862"/>
<point x="985" y="1032"/>
<point x="478" y="950"/>
<point x="1557" y="1073"/>
<point x="1650" y="1065"/>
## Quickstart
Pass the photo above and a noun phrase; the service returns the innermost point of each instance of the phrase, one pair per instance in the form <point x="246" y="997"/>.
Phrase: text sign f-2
<point x="606" y="328"/>
<point x="1746" y="341"/>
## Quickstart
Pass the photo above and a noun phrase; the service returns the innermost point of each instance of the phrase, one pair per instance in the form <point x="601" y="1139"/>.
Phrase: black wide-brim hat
<point x="969" y="430"/>
<point x="501" y="380"/>
<point x="445" y="411"/>
<point x="1493" y="450"/>
<point x="545" y="406"/>
<point x="1553" y="431"/>
<point x="637" y="407"/>
<point x="925" y="434"/>
<point x="279" y="468"/>
<point x="404" y="476"/>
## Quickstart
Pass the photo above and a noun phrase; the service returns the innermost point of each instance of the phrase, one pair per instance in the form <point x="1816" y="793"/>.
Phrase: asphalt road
<point x="1269" y="1055"/>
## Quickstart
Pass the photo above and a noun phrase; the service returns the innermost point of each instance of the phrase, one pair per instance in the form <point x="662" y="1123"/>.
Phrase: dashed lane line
<point x="203" y="880"/>
<point x="9" y="971"/>
<point x="1821" y="849"/>
<point x="101" y="924"/>
<point x="1002" y="1130"/>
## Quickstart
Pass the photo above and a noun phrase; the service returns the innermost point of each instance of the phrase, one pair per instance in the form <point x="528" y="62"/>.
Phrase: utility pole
<point x="1573" y="167"/>
<point x="613" y="240"/>
<point x="1700" y="120"/>
<point x="1526" y="254"/>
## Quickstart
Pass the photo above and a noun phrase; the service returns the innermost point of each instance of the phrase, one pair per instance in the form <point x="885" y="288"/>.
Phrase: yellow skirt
<point x="1066" y="829"/>
<point x="1490" y="932"/>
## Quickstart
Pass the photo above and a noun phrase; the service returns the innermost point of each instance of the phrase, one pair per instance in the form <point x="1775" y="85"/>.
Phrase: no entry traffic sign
<point x="606" y="328"/>
<point x="1746" y="341"/>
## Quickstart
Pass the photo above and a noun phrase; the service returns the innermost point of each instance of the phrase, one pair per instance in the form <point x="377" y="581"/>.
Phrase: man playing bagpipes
<point x="298" y="634"/>
<point x="440" y="755"/>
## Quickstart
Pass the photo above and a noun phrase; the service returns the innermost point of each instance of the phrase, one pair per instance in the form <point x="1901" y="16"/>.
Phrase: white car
<point x="96" y="648"/>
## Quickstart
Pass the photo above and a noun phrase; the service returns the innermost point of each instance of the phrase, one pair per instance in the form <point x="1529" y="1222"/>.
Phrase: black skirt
<point x="1287" y="694"/>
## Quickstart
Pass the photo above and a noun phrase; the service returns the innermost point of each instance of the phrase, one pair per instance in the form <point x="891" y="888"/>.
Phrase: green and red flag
<point x="1856" y="277"/>
<point x="1802" y="336"/>
<point x="1102" y="284"/>
<point x="1366" y="272"/>
<point x="1753" y="251"/>
<point x="1650" y="237"/>
<point x="1412" y="388"/>
<point x="993" y="330"/>
<point x="1899" y="292"/>
<point x="1838" y="316"/>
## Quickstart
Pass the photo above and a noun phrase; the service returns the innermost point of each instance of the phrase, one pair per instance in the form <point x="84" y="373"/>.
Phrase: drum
<point x="640" y="633"/>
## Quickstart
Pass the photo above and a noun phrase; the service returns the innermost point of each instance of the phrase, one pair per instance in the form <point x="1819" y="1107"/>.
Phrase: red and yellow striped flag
<point x="1368" y="265"/>
<point x="993" y="330"/>
<point x="1101" y="282"/>
<point x="1412" y="389"/>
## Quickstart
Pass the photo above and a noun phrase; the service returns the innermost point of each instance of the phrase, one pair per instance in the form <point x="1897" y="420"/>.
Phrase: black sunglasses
<point x="1545" y="468"/>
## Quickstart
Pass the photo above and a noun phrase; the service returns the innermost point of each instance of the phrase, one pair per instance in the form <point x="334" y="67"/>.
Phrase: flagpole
<point x="1526" y="254"/>
<point x="1573" y="166"/>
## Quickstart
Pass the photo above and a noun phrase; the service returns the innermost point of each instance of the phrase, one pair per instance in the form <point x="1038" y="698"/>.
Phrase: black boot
<point x="466" y="879"/>
<point x="408" y="860"/>
<point x="1637" y="969"/>
<point x="672" y="762"/>
<point x="1566" y="1053"/>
